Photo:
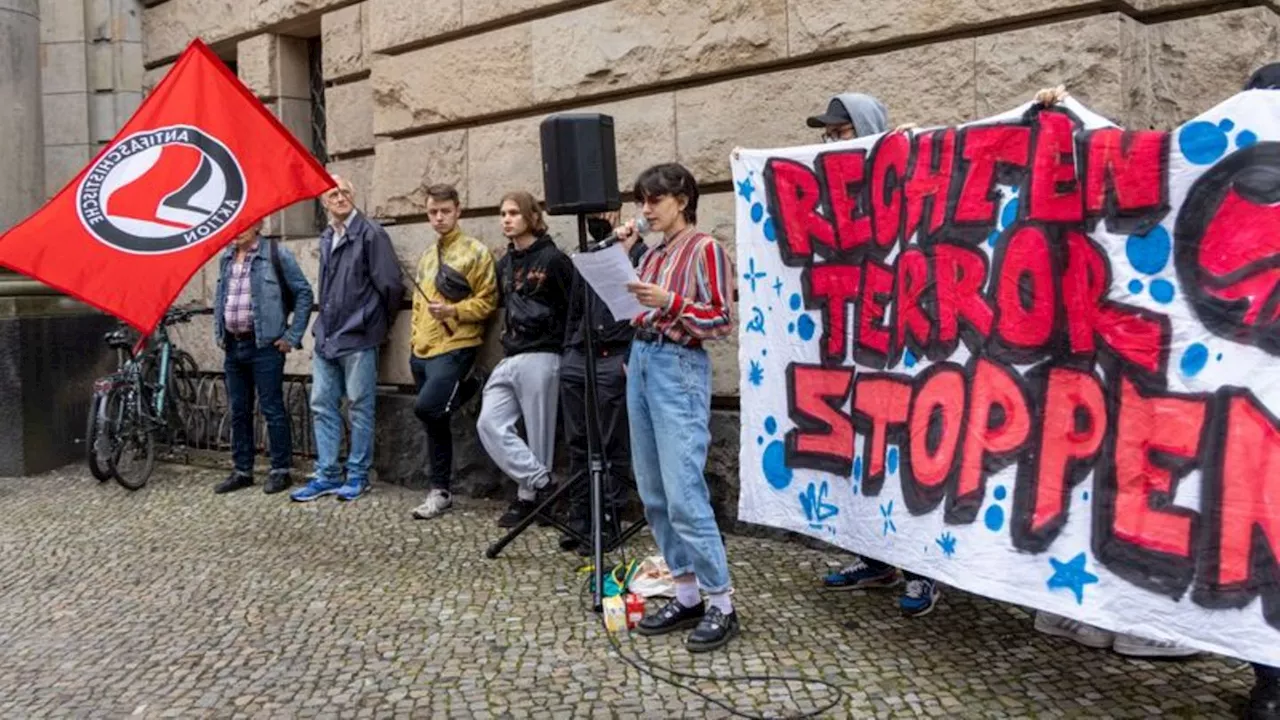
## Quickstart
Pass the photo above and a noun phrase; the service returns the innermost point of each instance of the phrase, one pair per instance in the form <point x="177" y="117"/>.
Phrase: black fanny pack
<point x="451" y="284"/>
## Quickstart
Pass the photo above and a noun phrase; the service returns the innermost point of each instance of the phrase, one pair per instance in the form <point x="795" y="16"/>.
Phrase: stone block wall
<point x="91" y="72"/>
<point x="417" y="93"/>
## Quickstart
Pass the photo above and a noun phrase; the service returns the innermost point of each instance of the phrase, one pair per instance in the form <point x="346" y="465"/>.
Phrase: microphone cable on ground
<point x="643" y="665"/>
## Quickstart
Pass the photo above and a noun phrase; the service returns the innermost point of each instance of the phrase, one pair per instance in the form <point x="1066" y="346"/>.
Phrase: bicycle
<point x="140" y="402"/>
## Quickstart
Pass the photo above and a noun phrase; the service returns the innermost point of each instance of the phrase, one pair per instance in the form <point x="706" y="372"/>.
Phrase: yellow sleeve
<point x="484" y="290"/>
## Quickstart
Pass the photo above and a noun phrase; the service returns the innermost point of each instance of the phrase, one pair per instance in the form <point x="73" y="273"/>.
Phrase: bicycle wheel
<point x="135" y="456"/>
<point x="183" y="375"/>
<point x="97" y="440"/>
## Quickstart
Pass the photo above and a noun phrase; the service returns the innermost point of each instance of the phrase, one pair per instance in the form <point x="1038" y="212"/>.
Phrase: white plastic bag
<point x="653" y="579"/>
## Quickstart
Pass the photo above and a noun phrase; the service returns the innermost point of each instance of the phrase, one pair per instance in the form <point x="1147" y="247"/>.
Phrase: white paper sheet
<point x="607" y="272"/>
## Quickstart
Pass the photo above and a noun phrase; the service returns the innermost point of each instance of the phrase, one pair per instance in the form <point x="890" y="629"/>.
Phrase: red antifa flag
<point x="200" y="161"/>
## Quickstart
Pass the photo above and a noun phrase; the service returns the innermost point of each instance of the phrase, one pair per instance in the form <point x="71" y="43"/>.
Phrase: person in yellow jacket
<point x="457" y="292"/>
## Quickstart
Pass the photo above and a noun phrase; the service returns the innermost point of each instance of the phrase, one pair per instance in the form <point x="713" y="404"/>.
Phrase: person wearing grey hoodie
<point x="849" y="116"/>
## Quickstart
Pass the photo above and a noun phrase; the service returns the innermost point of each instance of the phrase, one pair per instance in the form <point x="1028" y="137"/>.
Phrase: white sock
<point x="721" y="601"/>
<point x="526" y="494"/>
<point x="687" y="591"/>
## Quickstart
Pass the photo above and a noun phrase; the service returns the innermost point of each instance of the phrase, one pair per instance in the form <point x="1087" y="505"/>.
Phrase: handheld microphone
<point x="642" y="227"/>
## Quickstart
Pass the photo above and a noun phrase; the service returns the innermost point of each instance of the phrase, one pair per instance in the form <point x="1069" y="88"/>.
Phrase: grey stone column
<point x="22" y="152"/>
<point x="50" y="346"/>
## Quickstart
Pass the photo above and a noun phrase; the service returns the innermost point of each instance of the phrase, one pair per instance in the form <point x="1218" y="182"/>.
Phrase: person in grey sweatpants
<point x="534" y="278"/>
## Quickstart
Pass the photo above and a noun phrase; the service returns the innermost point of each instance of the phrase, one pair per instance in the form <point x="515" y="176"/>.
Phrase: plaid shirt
<point x="239" y="313"/>
<point x="694" y="268"/>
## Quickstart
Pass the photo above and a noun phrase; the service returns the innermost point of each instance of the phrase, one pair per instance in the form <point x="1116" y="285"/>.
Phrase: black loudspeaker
<point x="579" y="164"/>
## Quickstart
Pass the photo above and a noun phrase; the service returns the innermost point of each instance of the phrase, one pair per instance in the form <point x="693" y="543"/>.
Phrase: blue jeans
<point x="669" y="405"/>
<point x="248" y="369"/>
<point x="354" y="375"/>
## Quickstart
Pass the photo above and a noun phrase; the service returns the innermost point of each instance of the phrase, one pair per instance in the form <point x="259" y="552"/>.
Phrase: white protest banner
<point x="1035" y="357"/>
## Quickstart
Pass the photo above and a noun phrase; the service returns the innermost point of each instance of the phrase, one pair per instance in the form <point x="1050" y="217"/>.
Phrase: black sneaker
<point x="579" y="525"/>
<point x="715" y="630"/>
<point x="235" y="481"/>
<point x="277" y="481"/>
<point x="671" y="617"/>
<point x="610" y="537"/>
<point x="1264" y="701"/>
<point x="517" y="511"/>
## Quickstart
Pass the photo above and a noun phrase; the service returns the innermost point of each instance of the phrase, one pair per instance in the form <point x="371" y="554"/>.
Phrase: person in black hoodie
<point x="612" y="340"/>
<point x="534" y="278"/>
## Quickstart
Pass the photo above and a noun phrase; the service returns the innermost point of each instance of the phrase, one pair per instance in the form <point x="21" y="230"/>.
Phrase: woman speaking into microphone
<point x="686" y="281"/>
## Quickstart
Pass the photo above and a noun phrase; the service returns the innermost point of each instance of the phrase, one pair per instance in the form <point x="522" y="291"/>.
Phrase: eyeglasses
<point x="838" y="133"/>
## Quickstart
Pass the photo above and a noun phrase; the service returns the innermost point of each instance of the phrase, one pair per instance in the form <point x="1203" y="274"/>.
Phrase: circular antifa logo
<point x="1228" y="247"/>
<point x="161" y="190"/>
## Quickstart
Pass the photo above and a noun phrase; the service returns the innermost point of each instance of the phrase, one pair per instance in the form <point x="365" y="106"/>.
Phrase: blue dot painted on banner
<point x="1194" y="359"/>
<point x="1219" y="357"/>
<point x="857" y="468"/>
<point x="1001" y="493"/>
<point x="791" y="327"/>
<point x="1009" y="215"/>
<point x="805" y="328"/>
<point x="759" y="439"/>
<point x="770" y="425"/>
<point x="796" y="301"/>
<point x="1085" y="496"/>
<point x="893" y="460"/>
<point x="1202" y="142"/>
<point x="770" y="233"/>
<point x="765" y="352"/>
<point x="1135" y="286"/>
<point x="909" y="359"/>
<point x="1227" y="125"/>
<point x="1162" y="291"/>
<point x="1149" y="253"/>
<point x="992" y="238"/>
<point x="757" y="212"/>
<point x="1246" y="138"/>
<point x="775" y="465"/>
<point x="994" y="518"/>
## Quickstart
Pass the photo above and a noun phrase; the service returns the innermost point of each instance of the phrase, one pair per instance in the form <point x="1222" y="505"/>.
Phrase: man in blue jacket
<point x="360" y="294"/>
<point x="259" y="286"/>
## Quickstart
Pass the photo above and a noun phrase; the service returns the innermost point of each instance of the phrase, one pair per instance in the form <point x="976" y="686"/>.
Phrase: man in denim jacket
<point x="250" y="322"/>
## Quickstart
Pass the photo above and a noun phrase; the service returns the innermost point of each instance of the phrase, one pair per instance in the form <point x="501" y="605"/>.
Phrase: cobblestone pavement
<point x="175" y="602"/>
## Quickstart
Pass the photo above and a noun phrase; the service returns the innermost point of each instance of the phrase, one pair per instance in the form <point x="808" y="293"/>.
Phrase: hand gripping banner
<point x="1036" y="357"/>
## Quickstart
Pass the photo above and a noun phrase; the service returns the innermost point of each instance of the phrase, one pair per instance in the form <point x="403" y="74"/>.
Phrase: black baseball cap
<point x="836" y="114"/>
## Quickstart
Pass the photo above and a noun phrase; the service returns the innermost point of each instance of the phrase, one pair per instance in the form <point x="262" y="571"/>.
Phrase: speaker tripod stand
<point x="597" y="464"/>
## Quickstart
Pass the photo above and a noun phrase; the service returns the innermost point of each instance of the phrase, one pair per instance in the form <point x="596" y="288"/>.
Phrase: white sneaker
<point x="1083" y="633"/>
<point x="438" y="503"/>
<point x="1134" y="646"/>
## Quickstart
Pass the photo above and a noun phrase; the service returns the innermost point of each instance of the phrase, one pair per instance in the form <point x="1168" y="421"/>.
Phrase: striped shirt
<point x="697" y="273"/>
<point x="238" y="316"/>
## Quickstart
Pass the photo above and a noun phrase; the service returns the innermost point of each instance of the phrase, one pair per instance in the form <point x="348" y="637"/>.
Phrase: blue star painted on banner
<point x="756" y="374"/>
<point x="886" y="512"/>
<point x="745" y="189"/>
<point x="948" y="544"/>
<point x="777" y="286"/>
<point x="753" y="275"/>
<point x="1072" y="576"/>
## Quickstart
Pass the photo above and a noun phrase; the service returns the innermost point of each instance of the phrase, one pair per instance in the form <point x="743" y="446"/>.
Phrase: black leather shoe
<point x="277" y="482"/>
<point x="235" y="481"/>
<point x="517" y="511"/>
<point x="671" y="617"/>
<point x="715" y="630"/>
